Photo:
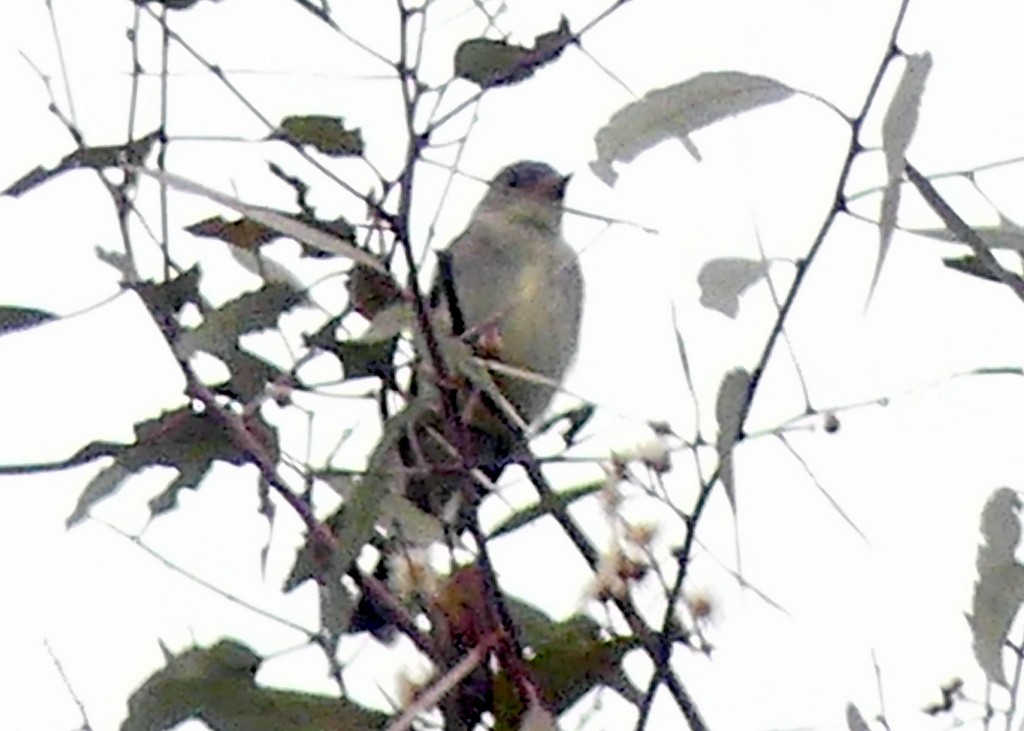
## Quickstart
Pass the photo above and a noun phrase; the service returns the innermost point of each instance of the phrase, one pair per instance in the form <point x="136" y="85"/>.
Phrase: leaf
<point x="723" y="280"/>
<point x="371" y="291"/>
<point x="677" y="111"/>
<point x="253" y="311"/>
<point x="353" y="525"/>
<point x="248" y="234"/>
<point x="1006" y="235"/>
<point x="489" y="63"/>
<point x="568" y="659"/>
<point x="217" y="686"/>
<point x="326" y="134"/>
<point x="999" y="591"/>
<point x="13" y="319"/>
<point x="975" y="267"/>
<point x="855" y="721"/>
<point x="730" y="408"/>
<point x="897" y="130"/>
<point x="182" y="439"/>
<point x="165" y="299"/>
<point x="285" y="224"/>
<point x="561" y="501"/>
<point x="94" y="158"/>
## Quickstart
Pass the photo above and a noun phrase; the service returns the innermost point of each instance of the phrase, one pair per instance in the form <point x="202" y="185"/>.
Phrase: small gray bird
<point x="519" y="289"/>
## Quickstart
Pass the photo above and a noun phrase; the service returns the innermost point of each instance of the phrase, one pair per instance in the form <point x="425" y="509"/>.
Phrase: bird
<point x="514" y="287"/>
<point x="512" y="291"/>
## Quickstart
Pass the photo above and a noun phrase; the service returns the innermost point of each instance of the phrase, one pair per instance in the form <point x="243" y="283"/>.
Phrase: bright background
<point x="912" y="475"/>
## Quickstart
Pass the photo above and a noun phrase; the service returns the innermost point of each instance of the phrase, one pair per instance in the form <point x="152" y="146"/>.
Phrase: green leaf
<point x="13" y="319"/>
<point x="489" y="63"/>
<point x="94" y="158"/>
<point x="182" y="439"/>
<point x="568" y="659"/>
<point x="253" y="311"/>
<point x="327" y="134"/>
<point x="217" y="686"/>
<point x="561" y="501"/>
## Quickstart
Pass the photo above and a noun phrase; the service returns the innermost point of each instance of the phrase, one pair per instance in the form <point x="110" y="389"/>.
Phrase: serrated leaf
<point x="13" y="319"/>
<point x="677" y="111"/>
<point x="328" y="135"/>
<point x="999" y="591"/>
<point x="217" y="686"/>
<point x="94" y="158"/>
<point x="253" y="311"/>
<point x="897" y="130"/>
<point x="723" y="280"/>
<point x="730" y="406"/>
<point x="182" y="439"/>
<point x="489" y="63"/>
<point x="165" y="299"/>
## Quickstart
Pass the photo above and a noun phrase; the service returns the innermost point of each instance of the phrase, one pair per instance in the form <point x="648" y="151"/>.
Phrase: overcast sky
<point x="911" y="475"/>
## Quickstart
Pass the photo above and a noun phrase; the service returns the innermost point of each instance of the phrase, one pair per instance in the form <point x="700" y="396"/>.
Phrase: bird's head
<point x="529" y="190"/>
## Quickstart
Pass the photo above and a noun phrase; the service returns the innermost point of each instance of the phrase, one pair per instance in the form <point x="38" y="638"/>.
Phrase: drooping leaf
<point x="13" y="319"/>
<point x="488" y="62"/>
<point x="999" y="591"/>
<point x="897" y="130"/>
<point x="182" y="439"/>
<point x="217" y="686"/>
<point x="723" y="280"/>
<point x="677" y="111"/>
<point x="730" y="406"/>
<point x="94" y="158"/>
<point x="328" y="135"/>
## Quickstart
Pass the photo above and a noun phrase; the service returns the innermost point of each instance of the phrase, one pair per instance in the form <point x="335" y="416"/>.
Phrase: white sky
<point x="913" y="475"/>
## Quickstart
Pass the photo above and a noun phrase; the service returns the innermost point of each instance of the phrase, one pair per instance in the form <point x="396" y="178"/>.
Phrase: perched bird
<point x="517" y="285"/>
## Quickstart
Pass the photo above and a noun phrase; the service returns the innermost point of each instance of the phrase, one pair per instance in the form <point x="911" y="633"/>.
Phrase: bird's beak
<point x="553" y="188"/>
